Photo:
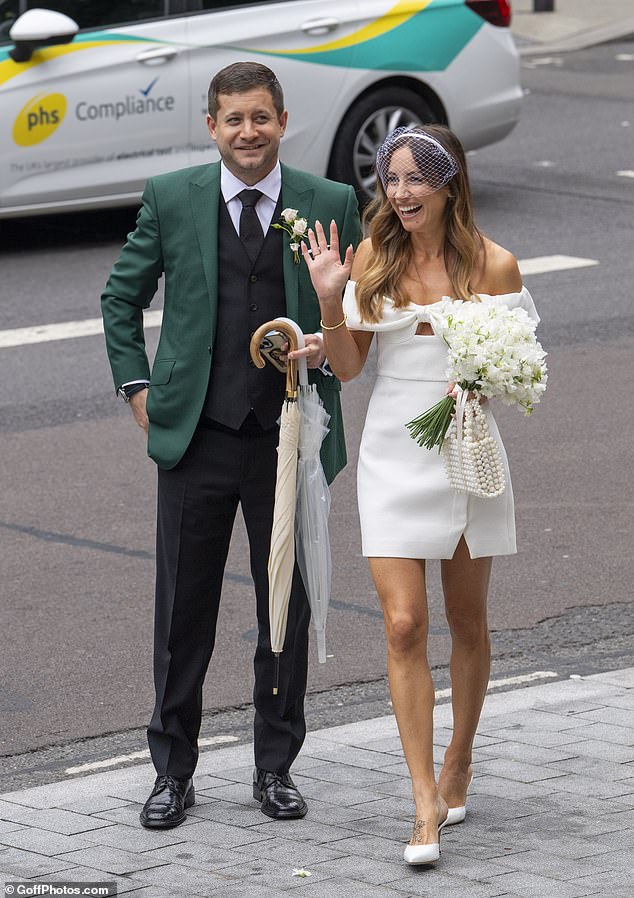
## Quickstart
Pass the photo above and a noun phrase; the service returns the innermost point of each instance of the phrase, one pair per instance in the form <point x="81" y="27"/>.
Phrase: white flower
<point x="289" y="215"/>
<point x="494" y="347"/>
<point x="295" y="228"/>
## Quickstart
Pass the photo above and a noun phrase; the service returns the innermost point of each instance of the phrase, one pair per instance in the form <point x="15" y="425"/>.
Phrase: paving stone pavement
<point x="550" y="813"/>
<point x="571" y="25"/>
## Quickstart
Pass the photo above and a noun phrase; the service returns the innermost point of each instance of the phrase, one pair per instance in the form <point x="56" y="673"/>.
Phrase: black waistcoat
<point x="248" y="295"/>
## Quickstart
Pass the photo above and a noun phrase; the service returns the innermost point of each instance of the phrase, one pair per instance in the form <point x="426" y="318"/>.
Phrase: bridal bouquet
<point x="493" y="352"/>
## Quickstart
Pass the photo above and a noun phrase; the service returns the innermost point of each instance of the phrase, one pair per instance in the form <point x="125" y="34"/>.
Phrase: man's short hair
<point x="240" y="77"/>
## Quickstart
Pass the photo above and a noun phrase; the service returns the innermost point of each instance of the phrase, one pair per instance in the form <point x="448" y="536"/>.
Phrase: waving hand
<point x="327" y="272"/>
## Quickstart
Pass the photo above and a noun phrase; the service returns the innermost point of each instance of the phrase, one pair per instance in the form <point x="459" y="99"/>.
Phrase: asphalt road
<point x="78" y="493"/>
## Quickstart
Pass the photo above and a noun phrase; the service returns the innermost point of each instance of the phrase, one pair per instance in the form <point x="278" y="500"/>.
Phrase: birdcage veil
<point x="433" y="168"/>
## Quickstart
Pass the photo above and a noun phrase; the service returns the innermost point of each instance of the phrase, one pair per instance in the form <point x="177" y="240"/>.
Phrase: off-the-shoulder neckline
<point x="429" y="305"/>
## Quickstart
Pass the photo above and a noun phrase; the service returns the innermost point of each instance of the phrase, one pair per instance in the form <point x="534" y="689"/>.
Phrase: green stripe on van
<point x="427" y="42"/>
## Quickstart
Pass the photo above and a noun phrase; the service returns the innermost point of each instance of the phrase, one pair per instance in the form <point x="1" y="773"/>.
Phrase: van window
<point x="100" y="13"/>
<point x="206" y="5"/>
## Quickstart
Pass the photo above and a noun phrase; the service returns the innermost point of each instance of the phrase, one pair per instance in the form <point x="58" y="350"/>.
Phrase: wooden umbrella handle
<point x="258" y="360"/>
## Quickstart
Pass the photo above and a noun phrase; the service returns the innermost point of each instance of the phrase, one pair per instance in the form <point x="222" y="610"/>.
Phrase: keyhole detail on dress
<point x="424" y="329"/>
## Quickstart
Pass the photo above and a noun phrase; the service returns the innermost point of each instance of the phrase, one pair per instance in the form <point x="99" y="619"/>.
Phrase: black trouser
<point x="197" y="503"/>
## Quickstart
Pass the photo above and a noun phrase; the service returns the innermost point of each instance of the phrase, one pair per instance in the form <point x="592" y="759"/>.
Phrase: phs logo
<point x="41" y="116"/>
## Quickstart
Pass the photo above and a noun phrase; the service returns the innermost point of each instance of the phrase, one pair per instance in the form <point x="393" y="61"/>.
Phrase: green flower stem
<point x="430" y="428"/>
<point x="294" y="238"/>
<point x="283" y="227"/>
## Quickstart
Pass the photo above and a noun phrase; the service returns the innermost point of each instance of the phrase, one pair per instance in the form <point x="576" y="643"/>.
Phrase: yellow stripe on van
<point x="397" y="15"/>
<point x="10" y="69"/>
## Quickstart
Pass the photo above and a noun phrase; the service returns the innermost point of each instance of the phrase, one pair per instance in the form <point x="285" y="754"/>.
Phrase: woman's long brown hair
<point x="392" y="248"/>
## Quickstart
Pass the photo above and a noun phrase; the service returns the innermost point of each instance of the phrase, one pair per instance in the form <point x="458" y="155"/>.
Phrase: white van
<point x="98" y="95"/>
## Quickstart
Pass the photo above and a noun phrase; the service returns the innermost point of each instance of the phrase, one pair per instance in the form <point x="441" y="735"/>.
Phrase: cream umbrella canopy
<point x="282" y="551"/>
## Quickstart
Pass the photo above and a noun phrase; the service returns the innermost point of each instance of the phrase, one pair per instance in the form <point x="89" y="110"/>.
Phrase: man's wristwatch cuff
<point x="127" y="391"/>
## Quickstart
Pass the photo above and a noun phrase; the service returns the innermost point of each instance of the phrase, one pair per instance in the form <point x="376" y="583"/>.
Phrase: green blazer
<point x="177" y="235"/>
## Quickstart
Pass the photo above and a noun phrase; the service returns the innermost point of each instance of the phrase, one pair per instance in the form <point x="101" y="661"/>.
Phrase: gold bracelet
<point x="334" y="328"/>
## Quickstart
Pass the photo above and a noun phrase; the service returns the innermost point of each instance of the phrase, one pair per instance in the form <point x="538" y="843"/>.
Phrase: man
<point x="211" y="416"/>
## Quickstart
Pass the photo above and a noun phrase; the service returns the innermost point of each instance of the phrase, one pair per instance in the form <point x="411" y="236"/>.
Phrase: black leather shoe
<point x="279" y="796"/>
<point x="167" y="802"/>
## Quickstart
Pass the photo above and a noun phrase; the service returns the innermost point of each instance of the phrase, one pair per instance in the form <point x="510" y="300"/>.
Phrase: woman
<point x="423" y="245"/>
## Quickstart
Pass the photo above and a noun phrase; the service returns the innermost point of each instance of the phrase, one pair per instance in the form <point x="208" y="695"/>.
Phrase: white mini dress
<point x="407" y="508"/>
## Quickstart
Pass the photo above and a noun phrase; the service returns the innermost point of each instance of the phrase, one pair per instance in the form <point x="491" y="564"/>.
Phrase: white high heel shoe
<point x="457" y="815"/>
<point x="424" y="854"/>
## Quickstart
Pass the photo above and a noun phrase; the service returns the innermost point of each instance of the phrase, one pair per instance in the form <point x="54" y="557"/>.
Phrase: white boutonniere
<point x="295" y="228"/>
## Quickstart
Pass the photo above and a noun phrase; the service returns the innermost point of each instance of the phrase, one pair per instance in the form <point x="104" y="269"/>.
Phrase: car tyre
<point x="364" y="128"/>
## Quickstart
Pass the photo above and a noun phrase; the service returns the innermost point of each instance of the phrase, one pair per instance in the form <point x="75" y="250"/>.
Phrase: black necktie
<point x="250" y="227"/>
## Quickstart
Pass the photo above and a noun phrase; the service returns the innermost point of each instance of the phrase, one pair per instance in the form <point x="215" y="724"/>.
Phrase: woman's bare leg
<point x="465" y="586"/>
<point x="400" y="584"/>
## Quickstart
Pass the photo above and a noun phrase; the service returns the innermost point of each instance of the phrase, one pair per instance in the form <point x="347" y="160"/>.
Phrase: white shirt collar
<point x="231" y="186"/>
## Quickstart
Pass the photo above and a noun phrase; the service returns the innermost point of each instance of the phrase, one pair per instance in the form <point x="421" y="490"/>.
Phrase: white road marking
<point x="545" y="264"/>
<point x="140" y="756"/>
<point x="624" y="57"/>
<point x="625" y="173"/>
<point x="109" y="762"/>
<point x="91" y="327"/>
<point x="509" y="681"/>
<point x="544" y="163"/>
<point x="542" y="60"/>
<point x="65" y="330"/>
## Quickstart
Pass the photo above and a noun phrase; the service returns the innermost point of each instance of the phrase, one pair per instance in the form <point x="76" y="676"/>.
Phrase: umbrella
<point x="302" y="498"/>
<point x="282" y="551"/>
<point x="312" y="541"/>
<point x="313" y="508"/>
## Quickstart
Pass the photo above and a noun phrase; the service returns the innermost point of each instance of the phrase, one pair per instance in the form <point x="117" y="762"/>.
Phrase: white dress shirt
<point x="271" y="185"/>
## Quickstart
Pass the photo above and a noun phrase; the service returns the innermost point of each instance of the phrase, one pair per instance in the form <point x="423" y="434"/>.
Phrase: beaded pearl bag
<point x="472" y="456"/>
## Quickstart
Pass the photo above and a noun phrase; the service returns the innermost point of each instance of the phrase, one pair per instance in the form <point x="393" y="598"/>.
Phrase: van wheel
<point x="364" y="128"/>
